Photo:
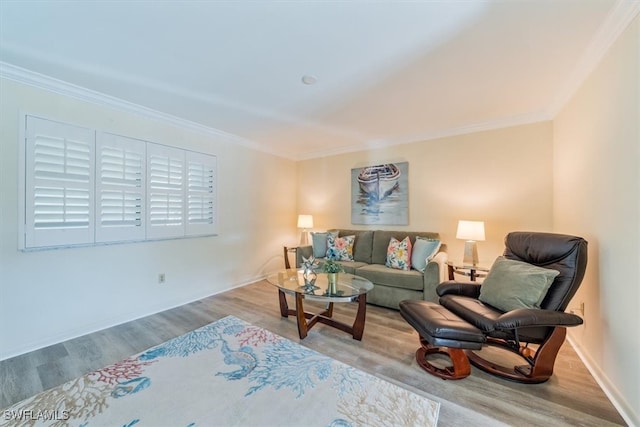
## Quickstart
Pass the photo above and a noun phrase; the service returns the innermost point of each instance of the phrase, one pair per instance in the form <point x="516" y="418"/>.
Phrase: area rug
<point x="227" y="373"/>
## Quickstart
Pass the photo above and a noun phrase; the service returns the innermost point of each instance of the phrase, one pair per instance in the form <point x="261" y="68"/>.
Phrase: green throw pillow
<point x="515" y="284"/>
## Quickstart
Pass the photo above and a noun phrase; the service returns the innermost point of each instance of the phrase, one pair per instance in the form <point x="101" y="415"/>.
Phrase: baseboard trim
<point x="115" y="321"/>
<point x="612" y="392"/>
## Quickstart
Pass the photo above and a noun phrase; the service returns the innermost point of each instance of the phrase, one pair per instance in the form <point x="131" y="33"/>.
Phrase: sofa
<point x="369" y="258"/>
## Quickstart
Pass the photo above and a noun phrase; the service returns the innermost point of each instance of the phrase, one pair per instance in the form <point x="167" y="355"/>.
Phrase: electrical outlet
<point x="580" y="309"/>
<point x="161" y="278"/>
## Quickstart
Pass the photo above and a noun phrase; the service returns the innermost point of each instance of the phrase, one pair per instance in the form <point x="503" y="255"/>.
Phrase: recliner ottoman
<point x="442" y="332"/>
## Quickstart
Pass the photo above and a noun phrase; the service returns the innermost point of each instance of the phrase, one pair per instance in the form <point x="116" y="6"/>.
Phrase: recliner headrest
<point x="540" y="248"/>
<point x="561" y="252"/>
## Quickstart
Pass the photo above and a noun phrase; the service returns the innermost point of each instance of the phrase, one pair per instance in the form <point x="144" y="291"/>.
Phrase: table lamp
<point x="305" y="222"/>
<point x="470" y="231"/>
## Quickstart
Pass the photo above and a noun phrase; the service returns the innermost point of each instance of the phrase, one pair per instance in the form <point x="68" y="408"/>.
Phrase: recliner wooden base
<point x="459" y="369"/>
<point x="539" y="367"/>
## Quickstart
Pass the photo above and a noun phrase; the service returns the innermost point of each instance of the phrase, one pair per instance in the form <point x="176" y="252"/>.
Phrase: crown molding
<point x="622" y="14"/>
<point x="41" y="81"/>
<point x="502" y="123"/>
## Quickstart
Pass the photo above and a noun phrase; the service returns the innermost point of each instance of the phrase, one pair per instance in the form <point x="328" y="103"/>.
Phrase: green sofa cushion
<point x="362" y="245"/>
<point x="319" y="242"/>
<point x="381" y="239"/>
<point x="381" y="275"/>
<point x="348" y="266"/>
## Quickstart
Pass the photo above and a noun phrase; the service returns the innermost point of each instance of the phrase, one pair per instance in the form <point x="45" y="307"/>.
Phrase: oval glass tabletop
<point x="348" y="287"/>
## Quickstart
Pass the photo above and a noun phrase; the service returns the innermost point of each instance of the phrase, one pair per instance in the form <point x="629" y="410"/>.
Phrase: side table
<point x="290" y="250"/>
<point x="471" y="271"/>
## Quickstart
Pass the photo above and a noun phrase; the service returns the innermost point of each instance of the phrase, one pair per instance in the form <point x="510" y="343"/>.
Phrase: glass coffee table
<point x="349" y="288"/>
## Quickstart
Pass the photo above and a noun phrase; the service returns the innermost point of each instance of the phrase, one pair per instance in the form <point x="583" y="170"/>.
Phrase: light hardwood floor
<point x="570" y="398"/>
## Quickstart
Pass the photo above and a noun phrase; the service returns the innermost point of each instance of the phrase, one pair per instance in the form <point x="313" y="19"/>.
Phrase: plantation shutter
<point x="58" y="184"/>
<point x="201" y="194"/>
<point x="80" y="186"/>
<point x="166" y="192"/>
<point x="120" y="188"/>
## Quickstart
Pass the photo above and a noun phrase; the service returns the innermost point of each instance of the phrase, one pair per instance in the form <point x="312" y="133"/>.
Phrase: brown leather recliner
<point x="516" y="330"/>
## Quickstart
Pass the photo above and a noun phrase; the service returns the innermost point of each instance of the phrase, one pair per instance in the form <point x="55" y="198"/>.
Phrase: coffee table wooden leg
<point x="284" y="308"/>
<point x="329" y="311"/>
<point x="302" y="321"/>
<point x="358" y="324"/>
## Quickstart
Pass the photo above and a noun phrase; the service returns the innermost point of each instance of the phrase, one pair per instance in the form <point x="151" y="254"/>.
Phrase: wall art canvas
<point x="380" y="194"/>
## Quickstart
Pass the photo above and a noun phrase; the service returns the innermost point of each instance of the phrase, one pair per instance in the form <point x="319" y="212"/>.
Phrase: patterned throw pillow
<point x="340" y="248"/>
<point x="319" y="242"/>
<point x="399" y="254"/>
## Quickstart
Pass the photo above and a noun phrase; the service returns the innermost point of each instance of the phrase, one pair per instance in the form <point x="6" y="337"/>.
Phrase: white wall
<point x="503" y="177"/>
<point x="50" y="296"/>
<point x="597" y="195"/>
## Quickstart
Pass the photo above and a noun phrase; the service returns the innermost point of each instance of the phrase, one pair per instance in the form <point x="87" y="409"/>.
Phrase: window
<point x="59" y="184"/>
<point x="120" y="188"/>
<point x="166" y="211"/>
<point x="201" y="194"/>
<point x="85" y="187"/>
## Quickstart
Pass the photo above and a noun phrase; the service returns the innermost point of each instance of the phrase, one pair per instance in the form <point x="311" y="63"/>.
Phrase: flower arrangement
<point x="331" y="266"/>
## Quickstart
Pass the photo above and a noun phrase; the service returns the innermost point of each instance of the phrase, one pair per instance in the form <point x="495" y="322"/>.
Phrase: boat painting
<point x="380" y="194"/>
<point x="377" y="182"/>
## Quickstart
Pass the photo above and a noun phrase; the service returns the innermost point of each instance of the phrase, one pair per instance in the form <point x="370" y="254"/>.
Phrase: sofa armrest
<point x="441" y="259"/>
<point x="433" y="275"/>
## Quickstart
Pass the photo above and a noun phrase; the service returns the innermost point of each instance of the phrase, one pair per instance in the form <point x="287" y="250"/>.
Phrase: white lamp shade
<point x="470" y="230"/>
<point x="305" y="221"/>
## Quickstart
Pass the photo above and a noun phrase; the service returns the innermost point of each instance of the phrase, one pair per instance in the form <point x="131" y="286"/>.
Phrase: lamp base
<point x="304" y="238"/>
<point x="470" y="253"/>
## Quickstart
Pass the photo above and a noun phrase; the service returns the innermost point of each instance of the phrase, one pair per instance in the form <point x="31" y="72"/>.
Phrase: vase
<point x="332" y="278"/>
<point x="309" y="277"/>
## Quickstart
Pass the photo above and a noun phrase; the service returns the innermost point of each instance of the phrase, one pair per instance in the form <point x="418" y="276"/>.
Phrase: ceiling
<point x="386" y="72"/>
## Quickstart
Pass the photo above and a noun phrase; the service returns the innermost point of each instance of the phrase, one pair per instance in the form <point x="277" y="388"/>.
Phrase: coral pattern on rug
<point x="226" y="373"/>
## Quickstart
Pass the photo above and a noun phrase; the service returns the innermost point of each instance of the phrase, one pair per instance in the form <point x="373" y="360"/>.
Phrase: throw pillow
<point x="319" y="242"/>
<point x="423" y="251"/>
<point x="515" y="284"/>
<point x="399" y="254"/>
<point x="340" y="248"/>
